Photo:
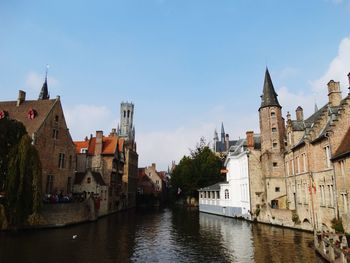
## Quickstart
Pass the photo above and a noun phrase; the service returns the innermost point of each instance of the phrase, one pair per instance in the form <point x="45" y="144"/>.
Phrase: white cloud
<point x="290" y="101"/>
<point x="164" y="146"/>
<point x="83" y="120"/>
<point x="337" y="70"/>
<point x="34" y="81"/>
<point x="288" y="72"/>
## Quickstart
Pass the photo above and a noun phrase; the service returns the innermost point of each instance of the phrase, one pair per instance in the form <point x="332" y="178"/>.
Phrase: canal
<point x="167" y="235"/>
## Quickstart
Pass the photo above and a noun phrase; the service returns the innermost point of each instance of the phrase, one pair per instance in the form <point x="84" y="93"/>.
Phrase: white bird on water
<point x="75" y="236"/>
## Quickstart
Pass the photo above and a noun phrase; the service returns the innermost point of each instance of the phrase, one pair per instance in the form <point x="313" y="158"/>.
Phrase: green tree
<point x="11" y="131"/>
<point x="23" y="182"/>
<point x="201" y="168"/>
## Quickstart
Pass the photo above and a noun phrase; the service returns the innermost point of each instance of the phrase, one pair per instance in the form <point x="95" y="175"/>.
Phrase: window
<point x="274" y="145"/>
<point x="124" y="114"/>
<point x="201" y="195"/>
<point x="89" y="180"/>
<point x="290" y="138"/>
<point x="304" y="162"/>
<point x="128" y="113"/>
<point x="345" y="202"/>
<point x="327" y="156"/>
<point x="298" y="165"/>
<point x="330" y="196"/>
<point x="69" y="185"/>
<point x="49" y="184"/>
<point x="274" y="164"/>
<point x="70" y="161"/>
<point x="322" y="195"/>
<point x="83" y="150"/>
<point x="56" y="118"/>
<point x="55" y="134"/>
<point x="273" y="114"/>
<point x="61" y="158"/>
<point x="209" y="195"/>
<point x="227" y="194"/>
<point x="274" y="203"/>
<point x="274" y="129"/>
<point x="342" y="170"/>
<point x="305" y="194"/>
<point x="205" y="194"/>
<point x="277" y="189"/>
<point x="218" y="194"/>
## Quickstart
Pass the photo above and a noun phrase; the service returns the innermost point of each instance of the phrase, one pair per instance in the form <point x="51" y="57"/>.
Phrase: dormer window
<point x="83" y="150"/>
<point x="31" y="114"/>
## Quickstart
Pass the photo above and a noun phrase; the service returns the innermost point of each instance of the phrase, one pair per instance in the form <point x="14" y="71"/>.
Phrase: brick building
<point x="304" y="164"/>
<point x="104" y="155"/>
<point x="45" y="123"/>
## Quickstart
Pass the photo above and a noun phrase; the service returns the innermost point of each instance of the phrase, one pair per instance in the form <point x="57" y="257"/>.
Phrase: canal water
<point x="165" y="235"/>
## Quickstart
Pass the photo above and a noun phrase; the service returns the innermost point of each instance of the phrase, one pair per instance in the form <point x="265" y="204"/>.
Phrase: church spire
<point x="222" y="132"/>
<point x="44" y="93"/>
<point x="269" y="96"/>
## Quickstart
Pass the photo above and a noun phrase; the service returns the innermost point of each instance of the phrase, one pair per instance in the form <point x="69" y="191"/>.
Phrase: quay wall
<point x="66" y="214"/>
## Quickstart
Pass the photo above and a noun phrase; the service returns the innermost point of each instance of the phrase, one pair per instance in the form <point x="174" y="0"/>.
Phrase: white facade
<point x="232" y="197"/>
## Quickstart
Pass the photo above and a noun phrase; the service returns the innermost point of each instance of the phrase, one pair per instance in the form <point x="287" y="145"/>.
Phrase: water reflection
<point x="177" y="235"/>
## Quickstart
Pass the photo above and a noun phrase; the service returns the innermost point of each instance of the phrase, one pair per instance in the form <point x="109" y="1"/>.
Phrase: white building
<point x="231" y="198"/>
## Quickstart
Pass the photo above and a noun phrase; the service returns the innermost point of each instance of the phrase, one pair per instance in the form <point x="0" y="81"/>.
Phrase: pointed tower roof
<point x="44" y="93"/>
<point x="269" y="96"/>
<point x="222" y="128"/>
<point x="316" y="108"/>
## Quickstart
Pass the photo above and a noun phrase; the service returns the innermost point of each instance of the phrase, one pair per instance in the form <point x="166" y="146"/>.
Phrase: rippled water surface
<point x="168" y="235"/>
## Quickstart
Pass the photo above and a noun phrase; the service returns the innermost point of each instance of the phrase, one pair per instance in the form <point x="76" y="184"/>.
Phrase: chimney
<point x="99" y="140"/>
<point x="299" y="113"/>
<point x="21" y="97"/>
<point x="250" y="139"/>
<point x="288" y="116"/>
<point x="154" y="166"/>
<point x="113" y="133"/>
<point x="334" y="93"/>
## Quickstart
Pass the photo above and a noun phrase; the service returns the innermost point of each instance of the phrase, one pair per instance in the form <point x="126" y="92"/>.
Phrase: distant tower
<point x="222" y="132"/>
<point x="126" y="128"/>
<point x="44" y="93"/>
<point x="272" y="139"/>
<point x="216" y="139"/>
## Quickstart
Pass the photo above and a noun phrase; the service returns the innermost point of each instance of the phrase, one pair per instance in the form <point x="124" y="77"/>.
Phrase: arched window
<point x="227" y="194"/>
<point x="124" y="114"/>
<point x="128" y="113"/>
<point x="273" y="114"/>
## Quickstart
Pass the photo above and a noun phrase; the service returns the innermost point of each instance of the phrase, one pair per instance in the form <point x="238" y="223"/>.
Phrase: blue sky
<point x="187" y="65"/>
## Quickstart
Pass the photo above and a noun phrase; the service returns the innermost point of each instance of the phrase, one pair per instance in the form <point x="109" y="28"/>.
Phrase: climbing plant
<point x="23" y="182"/>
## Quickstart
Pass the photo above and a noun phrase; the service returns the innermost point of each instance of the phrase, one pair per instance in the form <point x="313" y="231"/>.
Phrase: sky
<point x="187" y="65"/>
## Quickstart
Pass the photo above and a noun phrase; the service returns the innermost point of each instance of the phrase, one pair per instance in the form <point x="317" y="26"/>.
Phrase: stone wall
<point x="66" y="214"/>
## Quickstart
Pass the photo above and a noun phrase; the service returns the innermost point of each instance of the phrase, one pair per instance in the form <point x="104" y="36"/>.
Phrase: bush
<point x="295" y="218"/>
<point x="337" y="225"/>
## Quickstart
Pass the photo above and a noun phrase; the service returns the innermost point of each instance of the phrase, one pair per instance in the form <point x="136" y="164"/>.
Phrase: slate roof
<point x="41" y="107"/>
<point x="344" y="147"/>
<point x="269" y="96"/>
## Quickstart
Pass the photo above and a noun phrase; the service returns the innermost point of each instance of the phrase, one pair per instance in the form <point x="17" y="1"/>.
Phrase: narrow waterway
<point x="167" y="235"/>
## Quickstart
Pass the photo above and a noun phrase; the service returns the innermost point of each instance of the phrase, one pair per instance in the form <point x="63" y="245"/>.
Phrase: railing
<point x="332" y="247"/>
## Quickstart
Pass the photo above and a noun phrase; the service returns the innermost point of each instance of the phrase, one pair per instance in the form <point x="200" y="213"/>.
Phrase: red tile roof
<point x="109" y="145"/>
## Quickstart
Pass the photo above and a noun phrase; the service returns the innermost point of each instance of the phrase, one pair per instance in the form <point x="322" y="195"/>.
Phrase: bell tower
<point x="126" y="128"/>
